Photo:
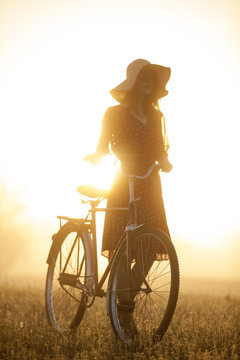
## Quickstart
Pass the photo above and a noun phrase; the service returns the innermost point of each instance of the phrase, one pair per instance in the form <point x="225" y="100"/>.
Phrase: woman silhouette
<point x="134" y="131"/>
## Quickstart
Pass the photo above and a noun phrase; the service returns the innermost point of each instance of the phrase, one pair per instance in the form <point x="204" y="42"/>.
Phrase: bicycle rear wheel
<point x="69" y="265"/>
<point x="141" y="301"/>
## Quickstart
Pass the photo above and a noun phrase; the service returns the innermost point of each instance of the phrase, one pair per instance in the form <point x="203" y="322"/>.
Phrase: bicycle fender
<point x="55" y="241"/>
<point x="56" y="238"/>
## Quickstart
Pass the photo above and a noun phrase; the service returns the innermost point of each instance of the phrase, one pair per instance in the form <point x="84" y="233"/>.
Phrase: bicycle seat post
<point x="93" y="210"/>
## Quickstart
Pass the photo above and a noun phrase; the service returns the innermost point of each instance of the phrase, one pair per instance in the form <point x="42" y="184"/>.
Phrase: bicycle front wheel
<point x="69" y="267"/>
<point x="143" y="291"/>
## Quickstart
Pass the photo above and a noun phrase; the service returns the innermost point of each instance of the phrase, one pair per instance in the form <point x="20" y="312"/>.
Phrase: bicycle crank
<point x="73" y="281"/>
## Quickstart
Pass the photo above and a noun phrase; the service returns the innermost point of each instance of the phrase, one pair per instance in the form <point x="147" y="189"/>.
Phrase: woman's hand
<point x="93" y="158"/>
<point x="166" y="166"/>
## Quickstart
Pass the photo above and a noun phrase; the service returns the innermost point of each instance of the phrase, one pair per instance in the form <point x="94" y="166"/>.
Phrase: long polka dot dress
<point x="137" y="146"/>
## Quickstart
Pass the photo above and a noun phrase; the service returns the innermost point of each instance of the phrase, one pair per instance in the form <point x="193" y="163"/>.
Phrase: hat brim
<point x="162" y="74"/>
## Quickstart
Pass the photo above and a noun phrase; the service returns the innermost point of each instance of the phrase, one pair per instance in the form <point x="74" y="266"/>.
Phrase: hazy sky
<point x="59" y="59"/>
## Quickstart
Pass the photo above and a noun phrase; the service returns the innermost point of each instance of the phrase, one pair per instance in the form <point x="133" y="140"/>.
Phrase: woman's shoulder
<point x="113" y="112"/>
<point x="114" y="109"/>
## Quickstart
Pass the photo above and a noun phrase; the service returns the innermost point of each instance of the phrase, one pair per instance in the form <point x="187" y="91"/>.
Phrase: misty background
<point x="59" y="59"/>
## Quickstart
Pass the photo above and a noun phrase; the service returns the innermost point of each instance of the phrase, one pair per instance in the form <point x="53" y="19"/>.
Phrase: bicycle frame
<point x="88" y="227"/>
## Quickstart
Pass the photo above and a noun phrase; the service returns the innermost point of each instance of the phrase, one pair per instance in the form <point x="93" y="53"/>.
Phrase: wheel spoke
<point x="160" y="296"/>
<point x="159" y="276"/>
<point x="155" y="270"/>
<point x="161" y="286"/>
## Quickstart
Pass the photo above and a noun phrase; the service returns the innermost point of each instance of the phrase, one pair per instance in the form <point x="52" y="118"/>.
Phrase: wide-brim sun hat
<point x="161" y="73"/>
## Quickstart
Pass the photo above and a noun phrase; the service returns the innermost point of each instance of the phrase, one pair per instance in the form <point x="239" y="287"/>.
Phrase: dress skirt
<point x="150" y="209"/>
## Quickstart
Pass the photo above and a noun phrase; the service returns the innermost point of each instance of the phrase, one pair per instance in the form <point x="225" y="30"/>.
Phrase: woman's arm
<point x="163" y="145"/>
<point x="104" y="140"/>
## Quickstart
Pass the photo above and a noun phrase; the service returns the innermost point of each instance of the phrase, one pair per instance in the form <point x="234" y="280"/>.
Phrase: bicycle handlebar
<point x="148" y="173"/>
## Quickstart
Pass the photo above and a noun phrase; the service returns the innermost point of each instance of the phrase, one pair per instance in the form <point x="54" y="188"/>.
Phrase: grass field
<point x="206" y="325"/>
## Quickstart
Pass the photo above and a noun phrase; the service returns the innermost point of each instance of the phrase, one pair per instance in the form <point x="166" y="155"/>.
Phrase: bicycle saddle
<point x="92" y="191"/>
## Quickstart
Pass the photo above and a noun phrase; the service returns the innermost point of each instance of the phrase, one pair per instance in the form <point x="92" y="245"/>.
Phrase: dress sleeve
<point x="106" y="133"/>
<point x="162" y="141"/>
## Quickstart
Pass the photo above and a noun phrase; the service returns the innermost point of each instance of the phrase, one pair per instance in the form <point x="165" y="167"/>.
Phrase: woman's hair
<point x="150" y="101"/>
<point x="150" y="105"/>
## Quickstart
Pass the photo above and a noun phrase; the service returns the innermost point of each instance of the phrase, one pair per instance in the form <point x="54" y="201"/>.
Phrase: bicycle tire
<point x="151" y="308"/>
<point x="65" y="304"/>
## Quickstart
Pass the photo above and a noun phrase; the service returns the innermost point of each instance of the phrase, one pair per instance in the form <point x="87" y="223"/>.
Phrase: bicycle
<point x="140" y="284"/>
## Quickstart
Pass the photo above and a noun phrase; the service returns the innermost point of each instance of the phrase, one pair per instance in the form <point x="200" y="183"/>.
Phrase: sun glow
<point x="56" y="73"/>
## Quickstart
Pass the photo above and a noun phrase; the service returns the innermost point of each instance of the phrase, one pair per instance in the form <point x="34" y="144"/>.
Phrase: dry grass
<point x="204" y="327"/>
